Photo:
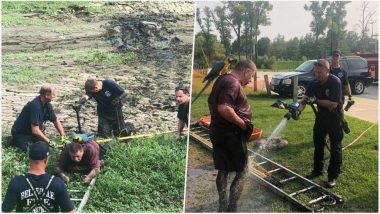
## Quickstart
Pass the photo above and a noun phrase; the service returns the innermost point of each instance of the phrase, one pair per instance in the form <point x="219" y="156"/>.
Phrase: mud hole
<point x="159" y="33"/>
<point x="202" y="195"/>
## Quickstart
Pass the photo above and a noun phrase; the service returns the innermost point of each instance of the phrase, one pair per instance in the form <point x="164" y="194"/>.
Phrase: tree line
<point x="244" y="19"/>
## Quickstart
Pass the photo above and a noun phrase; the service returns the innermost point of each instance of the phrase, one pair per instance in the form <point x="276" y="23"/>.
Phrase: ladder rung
<point x="288" y="179"/>
<point x="317" y="199"/>
<point x="274" y="170"/>
<point x="261" y="163"/>
<point x="76" y="199"/>
<point x="74" y="190"/>
<point x="302" y="190"/>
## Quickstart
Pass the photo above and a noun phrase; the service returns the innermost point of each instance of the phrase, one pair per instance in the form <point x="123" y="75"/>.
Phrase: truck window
<point x="343" y="64"/>
<point x="358" y="64"/>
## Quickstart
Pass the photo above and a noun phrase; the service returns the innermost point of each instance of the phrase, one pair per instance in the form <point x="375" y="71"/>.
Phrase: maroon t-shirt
<point x="90" y="159"/>
<point x="228" y="90"/>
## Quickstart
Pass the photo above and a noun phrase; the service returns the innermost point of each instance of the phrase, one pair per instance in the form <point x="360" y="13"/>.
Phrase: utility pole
<point x="372" y="29"/>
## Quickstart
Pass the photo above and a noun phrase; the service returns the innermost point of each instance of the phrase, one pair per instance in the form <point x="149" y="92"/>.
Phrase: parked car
<point x="359" y="76"/>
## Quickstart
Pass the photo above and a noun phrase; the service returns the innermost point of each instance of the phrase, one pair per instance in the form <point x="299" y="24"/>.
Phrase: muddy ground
<point x="202" y="195"/>
<point x="160" y="33"/>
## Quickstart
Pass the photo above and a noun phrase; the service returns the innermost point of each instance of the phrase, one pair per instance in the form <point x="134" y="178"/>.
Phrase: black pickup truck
<point x="357" y="68"/>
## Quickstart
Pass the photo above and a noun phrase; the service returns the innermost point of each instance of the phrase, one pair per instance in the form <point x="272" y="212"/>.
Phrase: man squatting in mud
<point x="79" y="156"/>
<point x="182" y="96"/>
<point x="109" y="96"/>
<point x="230" y="129"/>
<point x="29" y="125"/>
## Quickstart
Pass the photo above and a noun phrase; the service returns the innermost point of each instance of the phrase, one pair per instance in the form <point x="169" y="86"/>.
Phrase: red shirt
<point x="228" y="90"/>
<point x="89" y="161"/>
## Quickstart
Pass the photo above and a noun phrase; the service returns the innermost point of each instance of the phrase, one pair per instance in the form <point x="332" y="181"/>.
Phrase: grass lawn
<point x="143" y="175"/>
<point x="358" y="181"/>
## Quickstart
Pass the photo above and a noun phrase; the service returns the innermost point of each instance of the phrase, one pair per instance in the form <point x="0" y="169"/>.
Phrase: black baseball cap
<point x="337" y="52"/>
<point x="39" y="150"/>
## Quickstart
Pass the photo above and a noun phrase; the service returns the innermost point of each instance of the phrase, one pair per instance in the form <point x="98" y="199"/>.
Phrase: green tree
<point x="335" y="14"/>
<point x="200" y="58"/>
<point x="220" y="21"/>
<point x="205" y="25"/>
<point x="319" y="23"/>
<point x="263" y="46"/>
<point x="235" y="19"/>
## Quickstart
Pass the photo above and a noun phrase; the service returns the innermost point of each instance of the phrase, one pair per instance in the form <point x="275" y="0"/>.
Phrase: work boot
<point x="313" y="174"/>
<point x="330" y="183"/>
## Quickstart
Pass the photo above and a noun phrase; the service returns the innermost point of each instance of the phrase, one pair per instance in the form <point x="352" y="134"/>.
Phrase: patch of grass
<point x="286" y="65"/>
<point x="358" y="181"/>
<point x="142" y="175"/>
<point x="82" y="56"/>
<point x="15" y="19"/>
<point x="13" y="12"/>
<point x="24" y="75"/>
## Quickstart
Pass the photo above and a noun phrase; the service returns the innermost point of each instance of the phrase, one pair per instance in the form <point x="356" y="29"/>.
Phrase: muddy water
<point x="201" y="192"/>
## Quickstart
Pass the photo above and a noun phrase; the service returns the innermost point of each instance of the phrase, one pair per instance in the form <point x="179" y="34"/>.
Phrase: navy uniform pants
<point x="323" y="126"/>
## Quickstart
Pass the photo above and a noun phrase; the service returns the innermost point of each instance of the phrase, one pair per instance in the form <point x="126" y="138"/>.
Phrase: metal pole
<point x="295" y="88"/>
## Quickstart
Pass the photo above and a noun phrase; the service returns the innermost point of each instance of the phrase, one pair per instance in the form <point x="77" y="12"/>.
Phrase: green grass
<point x="358" y="182"/>
<point x="81" y="56"/>
<point x="23" y="75"/>
<point x="13" y="12"/>
<point x="143" y="175"/>
<point x="286" y="65"/>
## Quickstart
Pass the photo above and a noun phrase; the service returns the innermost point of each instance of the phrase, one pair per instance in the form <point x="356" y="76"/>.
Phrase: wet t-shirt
<point x="20" y="194"/>
<point x="90" y="159"/>
<point x="227" y="90"/>
<point x="330" y="90"/>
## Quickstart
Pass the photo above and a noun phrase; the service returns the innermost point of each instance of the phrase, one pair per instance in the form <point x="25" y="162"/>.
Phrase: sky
<point x="290" y="19"/>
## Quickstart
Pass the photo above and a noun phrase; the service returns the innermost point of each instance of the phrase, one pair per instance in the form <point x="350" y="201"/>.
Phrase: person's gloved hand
<point x="311" y="100"/>
<point x="63" y="139"/>
<point x="248" y="130"/>
<point x="351" y="100"/>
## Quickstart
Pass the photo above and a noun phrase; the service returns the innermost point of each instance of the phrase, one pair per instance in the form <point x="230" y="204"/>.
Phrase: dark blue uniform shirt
<point x="110" y="90"/>
<point x="341" y="74"/>
<point x="330" y="90"/>
<point x="183" y="113"/>
<point x="19" y="193"/>
<point x="33" y="113"/>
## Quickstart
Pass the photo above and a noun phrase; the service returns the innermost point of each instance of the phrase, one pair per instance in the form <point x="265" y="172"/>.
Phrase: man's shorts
<point x="229" y="150"/>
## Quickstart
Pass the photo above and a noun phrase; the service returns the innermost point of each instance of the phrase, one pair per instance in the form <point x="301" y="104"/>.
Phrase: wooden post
<point x="267" y="84"/>
<point x="295" y="87"/>
<point x="255" y="82"/>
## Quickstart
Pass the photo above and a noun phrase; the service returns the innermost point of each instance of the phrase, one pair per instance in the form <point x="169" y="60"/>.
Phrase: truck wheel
<point x="358" y="87"/>
<point x="301" y="90"/>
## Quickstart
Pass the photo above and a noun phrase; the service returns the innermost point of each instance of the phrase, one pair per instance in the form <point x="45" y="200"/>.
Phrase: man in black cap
<point x="342" y="74"/>
<point x="36" y="190"/>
